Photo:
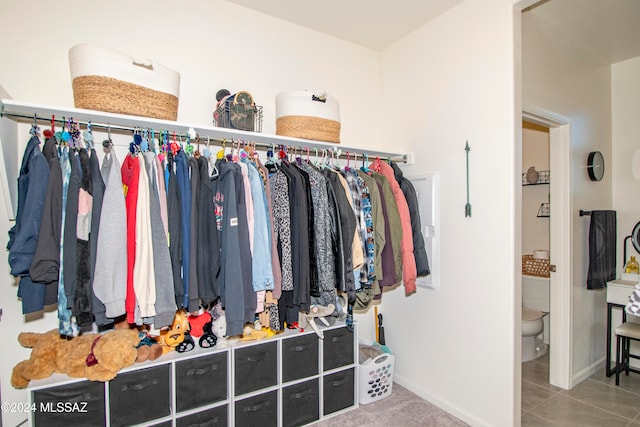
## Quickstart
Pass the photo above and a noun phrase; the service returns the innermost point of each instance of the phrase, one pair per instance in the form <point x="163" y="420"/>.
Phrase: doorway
<point x="559" y="244"/>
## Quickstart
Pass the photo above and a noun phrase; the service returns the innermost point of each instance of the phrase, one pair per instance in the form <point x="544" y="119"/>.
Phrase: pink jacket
<point x="409" y="271"/>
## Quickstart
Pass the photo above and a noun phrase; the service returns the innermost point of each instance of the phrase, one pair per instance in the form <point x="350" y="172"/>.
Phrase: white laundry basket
<point x="376" y="378"/>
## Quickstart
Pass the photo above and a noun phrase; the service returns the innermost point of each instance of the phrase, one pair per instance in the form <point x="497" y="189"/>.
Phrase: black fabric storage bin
<point x="80" y="403"/>
<point x="201" y="381"/>
<point x="338" y="391"/>
<point x="300" y="404"/>
<point x="256" y="367"/>
<point x="260" y="410"/>
<point x="299" y="357"/>
<point x="209" y="418"/>
<point x="139" y="396"/>
<point x="338" y="348"/>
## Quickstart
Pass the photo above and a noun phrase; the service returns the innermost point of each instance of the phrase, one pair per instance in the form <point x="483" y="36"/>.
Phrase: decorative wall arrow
<point x="467" y="207"/>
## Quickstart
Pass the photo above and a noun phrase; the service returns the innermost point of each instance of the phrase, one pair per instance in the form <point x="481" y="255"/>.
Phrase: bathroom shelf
<point x="543" y="179"/>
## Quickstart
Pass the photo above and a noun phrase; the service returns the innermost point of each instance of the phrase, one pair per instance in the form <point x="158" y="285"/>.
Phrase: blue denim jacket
<point x="261" y="260"/>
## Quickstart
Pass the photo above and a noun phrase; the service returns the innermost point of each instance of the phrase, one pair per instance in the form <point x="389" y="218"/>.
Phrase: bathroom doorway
<point x="559" y="221"/>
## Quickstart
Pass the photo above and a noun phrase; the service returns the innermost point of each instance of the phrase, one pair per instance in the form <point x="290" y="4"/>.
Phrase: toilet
<point x="533" y="345"/>
<point x="535" y="317"/>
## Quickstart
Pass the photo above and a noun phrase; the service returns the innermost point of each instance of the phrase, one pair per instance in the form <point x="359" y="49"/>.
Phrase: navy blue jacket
<point x="32" y="191"/>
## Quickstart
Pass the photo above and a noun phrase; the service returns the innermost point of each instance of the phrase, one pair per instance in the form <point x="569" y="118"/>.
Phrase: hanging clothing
<point x="408" y="261"/>
<point x="110" y="275"/>
<point x="70" y="246"/>
<point x="208" y="244"/>
<point x="282" y="225"/>
<point x="174" y="216"/>
<point x="65" y="326"/>
<point x="273" y="244"/>
<point x="23" y="236"/>
<point x="325" y="257"/>
<point x="346" y="222"/>
<point x="194" y="180"/>
<point x="299" y="239"/>
<point x="234" y="280"/>
<point x="377" y="217"/>
<point x="97" y="193"/>
<point x="83" y="295"/>
<point x="391" y="255"/>
<point x="184" y="187"/>
<point x="45" y="265"/>
<point x="261" y="259"/>
<point x="165" y="306"/>
<point x="130" y="182"/>
<point x="419" y="250"/>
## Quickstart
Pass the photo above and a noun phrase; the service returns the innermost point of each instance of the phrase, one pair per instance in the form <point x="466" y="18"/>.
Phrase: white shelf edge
<point x="99" y="118"/>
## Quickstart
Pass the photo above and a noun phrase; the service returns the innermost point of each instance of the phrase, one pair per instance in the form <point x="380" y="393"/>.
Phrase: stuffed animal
<point x="171" y="338"/>
<point x="97" y="357"/>
<point x="148" y="348"/>
<point x="200" y="326"/>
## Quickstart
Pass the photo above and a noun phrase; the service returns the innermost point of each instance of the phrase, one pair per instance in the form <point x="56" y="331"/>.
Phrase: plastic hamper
<point x="376" y="378"/>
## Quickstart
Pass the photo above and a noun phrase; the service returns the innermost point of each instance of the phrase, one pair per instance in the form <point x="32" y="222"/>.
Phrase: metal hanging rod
<point x="120" y="123"/>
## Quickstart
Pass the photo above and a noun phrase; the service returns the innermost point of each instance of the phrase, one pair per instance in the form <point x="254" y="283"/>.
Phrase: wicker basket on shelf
<point x="104" y="79"/>
<point x="534" y="266"/>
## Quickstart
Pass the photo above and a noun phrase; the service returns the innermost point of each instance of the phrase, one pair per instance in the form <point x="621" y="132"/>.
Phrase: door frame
<point x="560" y="238"/>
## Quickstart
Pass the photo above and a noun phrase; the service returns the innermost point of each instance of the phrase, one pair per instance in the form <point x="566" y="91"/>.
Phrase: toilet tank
<point x="535" y="292"/>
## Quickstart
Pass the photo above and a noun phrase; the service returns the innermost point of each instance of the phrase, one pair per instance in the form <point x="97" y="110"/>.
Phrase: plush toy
<point x="171" y="338"/>
<point x="200" y="326"/>
<point x="148" y="348"/>
<point x="97" y="357"/>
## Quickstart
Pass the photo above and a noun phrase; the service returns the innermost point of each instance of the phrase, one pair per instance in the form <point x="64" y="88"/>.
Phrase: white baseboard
<point x="587" y="372"/>
<point x="442" y="404"/>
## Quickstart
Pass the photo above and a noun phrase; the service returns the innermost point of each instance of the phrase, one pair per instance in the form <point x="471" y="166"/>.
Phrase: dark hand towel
<point x="602" y="249"/>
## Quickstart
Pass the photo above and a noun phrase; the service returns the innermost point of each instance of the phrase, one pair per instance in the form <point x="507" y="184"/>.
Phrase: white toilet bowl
<point x="533" y="345"/>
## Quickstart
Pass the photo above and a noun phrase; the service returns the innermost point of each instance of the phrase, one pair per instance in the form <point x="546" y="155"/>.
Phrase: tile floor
<point x="596" y="401"/>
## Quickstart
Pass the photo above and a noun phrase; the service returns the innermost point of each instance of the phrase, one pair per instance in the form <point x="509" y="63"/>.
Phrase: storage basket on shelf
<point x="238" y="111"/>
<point x="535" y="266"/>
<point x="104" y="79"/>
<point x="376" y="378"/>
<point x="308" y="115"/>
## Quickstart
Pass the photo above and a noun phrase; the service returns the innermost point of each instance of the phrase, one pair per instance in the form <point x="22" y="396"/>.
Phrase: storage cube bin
<point x="127" y="390"/>
<point x="211" y="417"/>
<point x="201" y="381"/>
<point x="338" y="348"/>
<point x="338" y="391"/>
<point x="299" y="357"/>
<point x="256" y="367"/>
<point x="104" y="79"/>
<point x="300" y="403"/>
<point x="260" y="410"/>
<point x="50" y="404"/>
<point x="376" y="378"/>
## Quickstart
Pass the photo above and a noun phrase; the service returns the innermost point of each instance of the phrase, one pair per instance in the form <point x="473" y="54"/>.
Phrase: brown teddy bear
<point x="97" y="357"/>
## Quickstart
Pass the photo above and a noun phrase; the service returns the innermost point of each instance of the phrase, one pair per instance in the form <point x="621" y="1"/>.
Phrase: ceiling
<point x="609" y="29"/>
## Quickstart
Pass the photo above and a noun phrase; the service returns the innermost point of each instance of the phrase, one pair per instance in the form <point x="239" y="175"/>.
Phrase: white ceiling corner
<point x="373" y="24"/>
<point x="608" y="29"/>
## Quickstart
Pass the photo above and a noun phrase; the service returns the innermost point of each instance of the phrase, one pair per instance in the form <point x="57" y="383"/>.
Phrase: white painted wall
<point x="535" y="152"/>
<point x="451" y="81"/>
<point x="625" y="110"/>
<point x="557" y="76"/>
<point x="213" y="44"/>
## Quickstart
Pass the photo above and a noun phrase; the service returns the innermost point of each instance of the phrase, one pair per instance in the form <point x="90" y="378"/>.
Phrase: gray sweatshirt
<point x="110" y="280"/>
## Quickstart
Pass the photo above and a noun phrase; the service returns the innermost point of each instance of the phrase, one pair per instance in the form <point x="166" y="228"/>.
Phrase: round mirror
<point x="635" y="237"/>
